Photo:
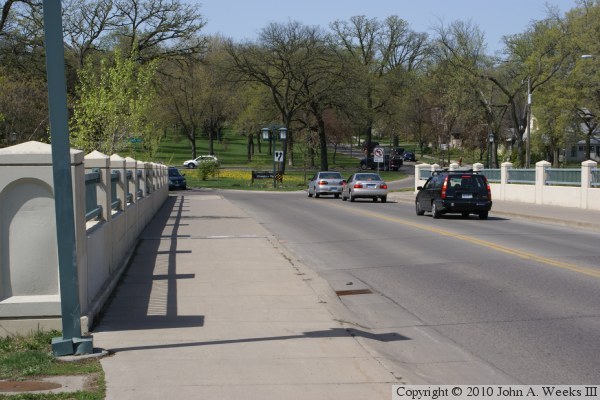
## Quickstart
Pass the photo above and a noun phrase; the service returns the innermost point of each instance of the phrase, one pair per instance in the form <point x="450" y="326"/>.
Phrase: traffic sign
<point x="278" y="156"/>
<point x="378" y="154"/>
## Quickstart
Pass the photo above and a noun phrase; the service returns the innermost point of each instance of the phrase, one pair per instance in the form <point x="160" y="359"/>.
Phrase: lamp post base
<point x="66" y="347"/>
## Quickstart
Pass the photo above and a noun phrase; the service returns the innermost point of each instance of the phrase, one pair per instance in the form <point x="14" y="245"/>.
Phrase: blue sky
<point x="243" y="19"/>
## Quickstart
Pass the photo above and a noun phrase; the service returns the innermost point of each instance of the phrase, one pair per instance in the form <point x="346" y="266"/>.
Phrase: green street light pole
<point x="269" y="134"/>
<point x="71" y="342"/>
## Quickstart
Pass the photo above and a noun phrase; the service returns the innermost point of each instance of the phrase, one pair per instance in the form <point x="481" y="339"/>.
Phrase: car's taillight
<point x="358" y="186"/>
<point x="444" y="187"/>
<point x="323" y="183"/>
<point x="489" y="189"/>
<point x="383" y="186"/>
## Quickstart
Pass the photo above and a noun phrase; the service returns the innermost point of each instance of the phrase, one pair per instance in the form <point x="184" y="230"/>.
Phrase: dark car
<point x="397" y="151"/>
<point x="409" y="156"/>
<point x="176" y="180"/>
<point x="459" y="192"/>
<point x="390" y="162"/>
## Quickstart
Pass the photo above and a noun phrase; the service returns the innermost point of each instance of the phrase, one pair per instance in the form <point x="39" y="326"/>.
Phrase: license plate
<point x="333" y="189"/>
<point x="467" y="196"/>
<point x="371" y="186"/>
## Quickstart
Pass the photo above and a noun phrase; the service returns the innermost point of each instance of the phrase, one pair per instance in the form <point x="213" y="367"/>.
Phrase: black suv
<point x="459" y="192"/>
<point x="176" y="180"/>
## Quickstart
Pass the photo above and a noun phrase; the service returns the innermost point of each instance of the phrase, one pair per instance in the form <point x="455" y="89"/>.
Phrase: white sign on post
<point x="278" y="156"/>
<point x="378" y="154"/>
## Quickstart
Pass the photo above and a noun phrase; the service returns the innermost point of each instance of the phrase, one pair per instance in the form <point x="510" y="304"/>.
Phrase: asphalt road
<point x="496" y="301"/>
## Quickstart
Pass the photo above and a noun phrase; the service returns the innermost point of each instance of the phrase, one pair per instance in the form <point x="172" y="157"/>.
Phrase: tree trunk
<point x="211" y="135"/>
<point x="322" y="142"/>
<point x="250" y="146"/>
<point x="193" y="141"/>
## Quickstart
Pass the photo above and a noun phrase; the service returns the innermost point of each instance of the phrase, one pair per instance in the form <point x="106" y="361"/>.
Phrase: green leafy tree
<point x="114" y="106"/>
<point x="382" y="54"/>
<point x="283" y="61"/>
<point x="23" y="109"/>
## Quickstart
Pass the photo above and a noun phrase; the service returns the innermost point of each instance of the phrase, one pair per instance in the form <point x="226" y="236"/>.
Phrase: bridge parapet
<point x="105" y="235"/>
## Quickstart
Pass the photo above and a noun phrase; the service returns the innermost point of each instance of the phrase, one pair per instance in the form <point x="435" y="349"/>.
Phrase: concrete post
<point x="418" y="172"/>
<point x="100" y="161"/>
<point x="149" y="179"/>
<point x="586" y="180"/>
<point x="117" y="163"/>
<point x="141" y="182"/>
<point x="504" y="168"/>
<point x="540" y="180"/>
<point x="131" y="165"/>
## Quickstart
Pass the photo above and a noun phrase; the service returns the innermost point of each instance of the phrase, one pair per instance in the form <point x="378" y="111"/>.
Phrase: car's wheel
<point x="435" y="213"/>
<point x="191" y="166"/>
<point x="384" y="199"/>
<point x="337" y="196"/>
<point x="352" y="197"/>
<point x="483" y="215"/>
<point x="418" y="209"/>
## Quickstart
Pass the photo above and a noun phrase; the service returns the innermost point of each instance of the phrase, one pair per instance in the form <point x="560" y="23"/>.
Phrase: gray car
<point x="326" y="183"/>
<point x="365" y="185"/>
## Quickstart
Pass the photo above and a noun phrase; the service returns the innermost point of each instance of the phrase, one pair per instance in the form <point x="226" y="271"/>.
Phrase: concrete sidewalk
<point x="211" y="308"/>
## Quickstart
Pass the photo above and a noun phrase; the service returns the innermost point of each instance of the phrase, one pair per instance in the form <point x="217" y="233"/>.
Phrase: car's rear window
<point x="367" y="177"/>
<point x="466" y="182"/>
<point x="330" y="175"/>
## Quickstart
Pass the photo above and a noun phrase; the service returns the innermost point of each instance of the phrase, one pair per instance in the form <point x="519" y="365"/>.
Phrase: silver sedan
<point x="326" y="182"/>
<point x="365" y="185"/>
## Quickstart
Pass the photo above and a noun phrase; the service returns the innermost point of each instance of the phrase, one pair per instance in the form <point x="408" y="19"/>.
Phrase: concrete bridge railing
<point x="575" y="187"/>
<point x="113" y="197"/>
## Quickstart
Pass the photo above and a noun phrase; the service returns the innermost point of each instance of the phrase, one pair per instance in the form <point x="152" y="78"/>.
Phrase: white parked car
<point x="200" y="159"/>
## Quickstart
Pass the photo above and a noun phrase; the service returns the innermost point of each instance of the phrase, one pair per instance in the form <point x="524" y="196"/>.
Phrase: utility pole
<point x="528" y="127"/>
<point x="71" y="342"/>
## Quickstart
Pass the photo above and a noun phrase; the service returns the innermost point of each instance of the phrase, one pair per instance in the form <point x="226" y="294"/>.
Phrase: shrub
<point x="208" y="168"/>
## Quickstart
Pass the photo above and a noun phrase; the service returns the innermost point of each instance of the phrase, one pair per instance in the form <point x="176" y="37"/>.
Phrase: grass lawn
<point x="25" y="358"/>
<point x="235" y="168"/>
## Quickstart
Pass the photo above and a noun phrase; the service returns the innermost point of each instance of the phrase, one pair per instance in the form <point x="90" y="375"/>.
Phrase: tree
<point x="282" y="61"/>
<point x="159" y="28"/>
<point x="180" y="87"/>
<point x="113" y="106"/>
<point x="379" y="51"/>
<point x="582" y="75"/>
<point x="534" y="57"/>
<point x="23" y="109"/>
<point x="6" y="7"/>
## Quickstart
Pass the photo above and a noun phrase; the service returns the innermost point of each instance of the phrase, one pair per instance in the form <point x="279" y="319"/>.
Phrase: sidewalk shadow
<point x="146" y="296"/>
<point x="330" y="333"/>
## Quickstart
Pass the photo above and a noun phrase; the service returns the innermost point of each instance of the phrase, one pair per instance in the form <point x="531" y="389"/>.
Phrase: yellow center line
<point x="503" y="249"/>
